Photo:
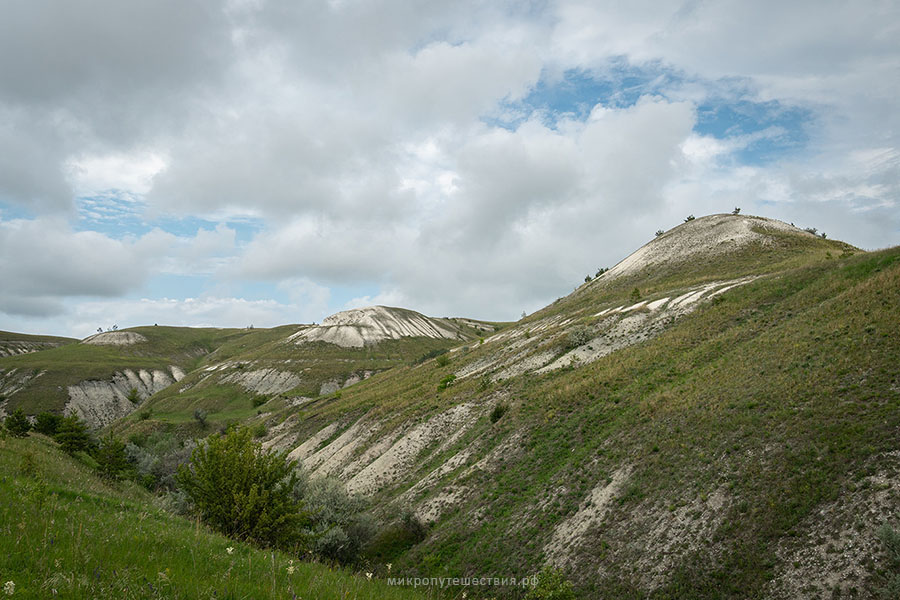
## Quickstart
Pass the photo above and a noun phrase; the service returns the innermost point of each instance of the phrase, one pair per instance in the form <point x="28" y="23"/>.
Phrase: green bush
<point x="259" y="400"/>
<point x="442" y="360"/>
<point x="112" y="462"/>
<point x="47" y="423"/>
<point x="73" y="436"/>
<point x="499" y="410"/>
<point x="446" y="382"/>
<point x="551" y="585"/>
<point x="17" y="423"/>
<point x="244" y="492"/>
<point x="134" y="396"/>
<point x="578" y="337"/>
<point x="200" y="416"/>
<point x="341" y="526"/>
<point x="397" y="538"/>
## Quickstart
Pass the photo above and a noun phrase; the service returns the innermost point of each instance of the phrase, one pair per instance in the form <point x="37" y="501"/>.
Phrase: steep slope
<point x="692" y="424"/>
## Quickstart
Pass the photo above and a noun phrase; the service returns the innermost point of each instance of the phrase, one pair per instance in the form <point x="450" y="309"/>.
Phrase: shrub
<point x="47" y="423"/>
<point x="72" y="435"/>
<point x="259" y="400"/>
<point x="429" y="355"/>
<point x="112" y="461"/>
<point x="442" y="360"/>
<point x="635" y="295"/>
<point x="133" y="396"/>
<point x="260" y="430"/>
<point x="17" y="423"/>
<point x="659" y="232"/>
<point x="341" y="527"/>
<point x="446" y="382"/>
<point x="396" y="538"/>
<point x="578" y="337"/>
<point x="200" y="416"/>
<point x="689" y="218"/>
<point x="244" y="492"/>
<point x="551" y="585"/>
<point x="499" y="410"/>
<point x="601" y="271"/>
<point x="145" y="414"/>
<point x="736" y="211"/>
<point x="587" y="278"/>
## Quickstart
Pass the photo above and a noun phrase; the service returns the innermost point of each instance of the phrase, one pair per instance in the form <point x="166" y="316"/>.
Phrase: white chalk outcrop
<point x="264" y="381"/>
<point x="115" y="338"/>
<point x="705" y="236"/>
<point x="102" y="402"/>
<point x="364" y="326"/>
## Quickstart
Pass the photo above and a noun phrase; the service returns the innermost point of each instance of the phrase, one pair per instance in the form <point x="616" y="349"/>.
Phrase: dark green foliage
<point x="601" y="271"/>
<point x="498" y="411"/>
<point x="133" y="396"/>
<point x="72" y="435"/>
<point x="112" y="462"/>
<point x="200" y="416"/>
<point x="244" y="492"/>
<point x="260" y="430"/>
<point x="736" y="211"/>
<point x="145" y="414"/>
<point x="587" y="278"/>
<point x="429" y="355"/>
<point x="635" y="295"/>
<point x="551" y="585"/>
<point x="259" y="400"/>
<point x="397" y="538"/>
<point x="689" y="218"/>
<point x="659" y="232"/>
<point x="47" y="423"/>
<point x="17" y="423"/>
<point x="442" y="360"/>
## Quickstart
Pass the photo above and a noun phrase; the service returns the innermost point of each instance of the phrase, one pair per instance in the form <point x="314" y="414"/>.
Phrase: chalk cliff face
<point x="102" y="402"/>
<point x="363" y="326"/>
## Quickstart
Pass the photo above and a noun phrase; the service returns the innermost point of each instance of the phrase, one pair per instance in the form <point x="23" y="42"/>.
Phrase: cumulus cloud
<point x="404" y="151"/>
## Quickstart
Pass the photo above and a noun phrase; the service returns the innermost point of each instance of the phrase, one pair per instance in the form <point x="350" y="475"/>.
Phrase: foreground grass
<point x="65" y="533"/>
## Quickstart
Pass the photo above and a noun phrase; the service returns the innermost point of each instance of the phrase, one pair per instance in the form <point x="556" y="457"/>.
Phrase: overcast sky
<point x="192" y="162"/>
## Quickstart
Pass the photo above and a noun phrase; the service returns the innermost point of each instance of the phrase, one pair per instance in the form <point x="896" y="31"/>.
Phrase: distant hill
<point x="21" y="343"/>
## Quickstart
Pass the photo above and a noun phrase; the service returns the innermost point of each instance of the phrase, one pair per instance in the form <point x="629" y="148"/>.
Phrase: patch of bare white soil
<point x="361" y="326"/>
<point x="102" y="402"/>
<point x="570" y="532"/>
<point x="838" y="547"/>
<point x="263" y="381"/>
<point x="115" y="338"/>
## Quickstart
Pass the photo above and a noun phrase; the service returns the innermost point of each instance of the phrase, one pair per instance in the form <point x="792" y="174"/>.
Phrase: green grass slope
<point x="710" y="461"/>
<point x="21" y="343"/>
<point x="51" y="371"/>
<point x="65" y="533"/>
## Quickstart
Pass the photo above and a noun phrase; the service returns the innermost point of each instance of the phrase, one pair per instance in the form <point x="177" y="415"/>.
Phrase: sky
<point x="204" y="163"/>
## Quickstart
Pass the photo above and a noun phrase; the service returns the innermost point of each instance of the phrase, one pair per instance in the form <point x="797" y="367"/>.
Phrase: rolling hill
<point x="716" y="416"/>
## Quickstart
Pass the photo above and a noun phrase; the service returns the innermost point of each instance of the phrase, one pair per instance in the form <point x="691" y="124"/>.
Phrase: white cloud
<point x="359" y="134"/>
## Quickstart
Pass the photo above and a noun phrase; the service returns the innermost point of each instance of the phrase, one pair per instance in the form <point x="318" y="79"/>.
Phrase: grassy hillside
<point x="20" y="343"/>
<point x="695" y="464"/>
<point x="64" y="533"/>
<point x="52" y="371"/>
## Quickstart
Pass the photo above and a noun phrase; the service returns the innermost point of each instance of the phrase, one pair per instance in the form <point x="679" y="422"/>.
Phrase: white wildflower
<point x="368" y="576"/>
<point x="229" y="550"/>
<point x="9" y="588"/>
<point x="389" y="567"/>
